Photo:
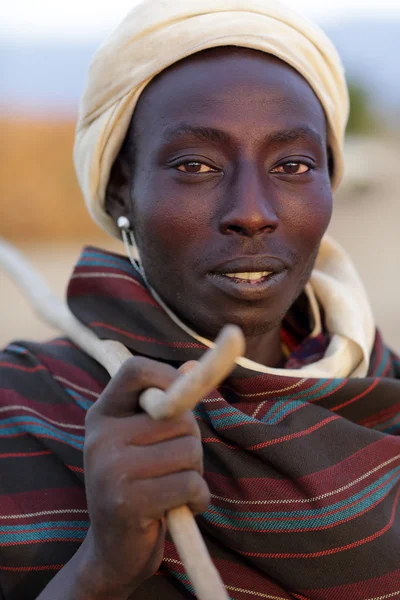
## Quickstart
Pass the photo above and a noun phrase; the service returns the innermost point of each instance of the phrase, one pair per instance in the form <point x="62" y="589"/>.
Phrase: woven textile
<point x="304" y="473"/>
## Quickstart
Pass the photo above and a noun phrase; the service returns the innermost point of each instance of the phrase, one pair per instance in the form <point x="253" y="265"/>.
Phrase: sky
<point x="85" y="19"/>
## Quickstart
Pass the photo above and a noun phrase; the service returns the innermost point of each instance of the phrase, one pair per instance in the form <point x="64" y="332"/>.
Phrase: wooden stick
<point x="213" y="367"/>
<point x="184" y="394"/>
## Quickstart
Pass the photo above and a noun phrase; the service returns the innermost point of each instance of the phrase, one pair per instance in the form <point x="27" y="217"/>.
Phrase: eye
<point x="292" y="168"/>
<point x="194" y="167"/>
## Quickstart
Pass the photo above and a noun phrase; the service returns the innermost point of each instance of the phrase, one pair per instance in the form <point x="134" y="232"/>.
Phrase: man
<point x="223" y="179"/>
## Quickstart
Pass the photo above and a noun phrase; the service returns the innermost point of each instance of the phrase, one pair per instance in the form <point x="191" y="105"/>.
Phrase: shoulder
<point x="49" y="372"/>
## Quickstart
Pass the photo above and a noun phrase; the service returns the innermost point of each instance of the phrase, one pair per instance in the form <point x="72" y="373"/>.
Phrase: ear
<point x="118" y="193"/>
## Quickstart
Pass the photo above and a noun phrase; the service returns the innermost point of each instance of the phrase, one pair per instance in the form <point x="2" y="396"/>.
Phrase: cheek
<point x="310" y="217"/>
<point x="169" y="223"/>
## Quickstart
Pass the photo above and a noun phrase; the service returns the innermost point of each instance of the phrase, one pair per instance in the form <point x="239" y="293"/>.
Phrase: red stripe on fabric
<point x="25" y="454"/>
<point x="311" y="517"/>
<point x="70" y="372"/>
<point x="316" y="484"/>
<point x="292" y="436"/>
<point x="218" y="441"/>
<point x="121" y="288"/>
<point x="394" y="422"/>
<point x="141" y="338"/>
<point x="378" y="586"/>
<point x="35" y="568"/>
<point x="25" y="369"/>
<point x="69" y="412"/>
<point x="364" y="393"/>
<point x="381" y="416"/>
<point x="76" y="469"/>
<point x="61" y="343"/>
<point x="336" y="550"/>
<point x="66" y="499"/>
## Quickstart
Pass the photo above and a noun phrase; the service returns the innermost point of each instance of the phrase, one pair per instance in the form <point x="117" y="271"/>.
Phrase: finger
<point x="173" y="456"/>
<point x="187" y="366"/>
<point x="142" y="430"/>
<point x="121" y="396"/>
<point x="171" y="491"/>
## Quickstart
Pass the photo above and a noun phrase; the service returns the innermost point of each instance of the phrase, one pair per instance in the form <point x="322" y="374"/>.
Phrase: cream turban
<point x="158" y="33"/>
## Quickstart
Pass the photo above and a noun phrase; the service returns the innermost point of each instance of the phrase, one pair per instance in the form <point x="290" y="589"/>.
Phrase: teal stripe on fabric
<point x="268" y="520"/>
<point x="43" y="525"/>
<point x="390" y="430"/>
<point x="311" y="394"/>
<point x="282" y="412"/>
<point x="106" y="258"/>
<point x="42" y="536"/>
<point x="16" y="349"/>
<point x="18" y="425"/>
<point x="107" y="261"/>
<point x="105" y="265"/>
<point x="216" y="419"/>
<point x="80" y="400"/>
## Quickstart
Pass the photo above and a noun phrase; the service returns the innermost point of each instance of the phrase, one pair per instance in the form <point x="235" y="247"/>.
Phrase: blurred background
<point x="45" y="50"/>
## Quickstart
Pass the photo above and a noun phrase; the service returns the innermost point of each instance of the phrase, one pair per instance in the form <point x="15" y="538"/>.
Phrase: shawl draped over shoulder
<point x="304" y="470"/>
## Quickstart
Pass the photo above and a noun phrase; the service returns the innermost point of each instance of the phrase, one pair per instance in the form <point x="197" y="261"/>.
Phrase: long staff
<point x="214" y="366"/>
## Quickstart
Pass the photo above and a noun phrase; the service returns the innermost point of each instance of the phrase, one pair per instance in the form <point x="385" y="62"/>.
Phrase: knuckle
<point x="133" y="367"/>
<point x="91" y="444"/>
<point x="190" y="424"/>
<point x="194" y="451"/>
<point x="197" y="488"/>
<point x="90" y="416"/>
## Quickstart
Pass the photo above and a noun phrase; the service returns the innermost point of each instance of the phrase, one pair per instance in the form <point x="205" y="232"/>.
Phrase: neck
<point x="266" y="348"/>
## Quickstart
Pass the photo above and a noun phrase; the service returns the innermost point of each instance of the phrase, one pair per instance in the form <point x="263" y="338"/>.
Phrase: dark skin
<point x="253" y="185"/>
<point x="248" y="191"/>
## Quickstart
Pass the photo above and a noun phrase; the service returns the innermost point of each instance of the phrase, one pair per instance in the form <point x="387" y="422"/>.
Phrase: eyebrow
<point x="217" y="136"/>
<point x="203" y="134"/>
<point x="286" y="136"/>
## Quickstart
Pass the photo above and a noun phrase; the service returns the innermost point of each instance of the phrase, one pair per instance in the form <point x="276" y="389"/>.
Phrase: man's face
<point x="231" y="192"/>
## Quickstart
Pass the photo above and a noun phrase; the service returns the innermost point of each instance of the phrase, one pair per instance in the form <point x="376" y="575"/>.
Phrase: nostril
<point x="236" y="229"/>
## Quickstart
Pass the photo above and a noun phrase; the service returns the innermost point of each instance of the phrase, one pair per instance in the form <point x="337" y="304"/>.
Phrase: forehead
<point x="234" y="89"/>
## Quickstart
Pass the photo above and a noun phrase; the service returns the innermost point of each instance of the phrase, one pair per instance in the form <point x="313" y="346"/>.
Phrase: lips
<point x="249" y="278"/>
<point x="256" y="264"/>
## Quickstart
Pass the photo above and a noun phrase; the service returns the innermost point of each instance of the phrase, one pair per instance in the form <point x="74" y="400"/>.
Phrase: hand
<point x="136" y="470"/>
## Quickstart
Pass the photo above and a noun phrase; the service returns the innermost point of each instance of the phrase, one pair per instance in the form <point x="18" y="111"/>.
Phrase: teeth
<point x="248" y="276"/>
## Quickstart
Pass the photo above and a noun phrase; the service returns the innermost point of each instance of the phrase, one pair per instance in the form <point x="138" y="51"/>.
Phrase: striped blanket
<point x="304" y="473"/>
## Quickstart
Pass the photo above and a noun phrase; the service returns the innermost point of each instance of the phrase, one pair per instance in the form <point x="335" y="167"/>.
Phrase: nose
<point x="249" y="207"/>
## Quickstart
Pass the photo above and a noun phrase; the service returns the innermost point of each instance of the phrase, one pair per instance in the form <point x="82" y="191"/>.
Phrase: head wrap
<point x="158" y="33"/>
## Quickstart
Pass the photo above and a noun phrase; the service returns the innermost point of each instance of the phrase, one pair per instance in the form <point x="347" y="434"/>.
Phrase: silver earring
<point x="128" y="237"/>
<point x="123" y="223"/>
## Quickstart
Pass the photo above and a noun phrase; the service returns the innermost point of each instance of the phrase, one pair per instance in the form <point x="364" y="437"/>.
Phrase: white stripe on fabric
<point x="233" y="589"/>
<point x="392" y="595"/>
<point x="45" y="513"/>
<point x="304" y="500"/>
<point x="251" y="593"/>
<point x="76" y="387"/>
